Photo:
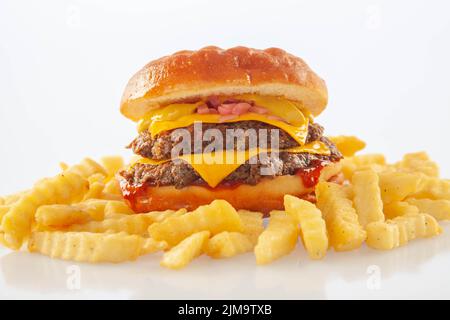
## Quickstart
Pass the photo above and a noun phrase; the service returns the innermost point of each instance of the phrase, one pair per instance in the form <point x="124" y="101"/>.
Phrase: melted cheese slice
<point x="292" y="112"/>
<point x="298" y="133"/>
<point x="176" y="116"/>
<point x="216" y="166"/>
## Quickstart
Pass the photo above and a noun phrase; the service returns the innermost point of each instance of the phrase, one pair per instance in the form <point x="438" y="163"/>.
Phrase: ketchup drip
<point x="132" y="193"/>
<point x="310" y="176"/>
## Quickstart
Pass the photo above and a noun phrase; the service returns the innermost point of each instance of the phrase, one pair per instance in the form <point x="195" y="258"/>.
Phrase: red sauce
<point x="132" y="194"/>
<point x="310" y="176"/>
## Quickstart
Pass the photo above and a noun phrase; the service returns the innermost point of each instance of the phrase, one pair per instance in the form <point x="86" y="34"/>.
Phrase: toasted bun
<point x="188" y="75"/>
<point x="264" y="197"/>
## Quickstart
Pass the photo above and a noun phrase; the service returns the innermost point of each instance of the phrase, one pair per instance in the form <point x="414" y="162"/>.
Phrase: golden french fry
<point x="111" y="196"/>
<point x="96" y="177"/>
<point x="92" y="247"/>
<point x="347" y="189"/>
<point x="184" y="252"/>
<point x="163" y="215"/>
<point x="369" y="159"/>
<point x="2" y="239"/>
<point x="112" y="164"/>
<point x="396" y="186"/>
<point x="3" y="210"/>
<point x="86" y="168"/>
<point x="96" y="186"/>
<point x="253" y="224"/>
<point x="433" y="188"/>
<point x="432" y="227"/>
<point x="60" y="215"/>
<point x="410" y="226"/>
<point x="49" y="217"/>
<point x="344" y="231"/>
<point x="402" y="229"/>
<point x="382" y="235"/>
<point x="228" y="244"/>
<point x="367" y="197"/>
<point x="216" y="217"/>
<point x="375" y="162"/>
<point x="313" y="228"/>
<point x="399" y="208"/>
<point x="158" y="215"/>
<point x="99" y="207"/>
<point x="420" y="225"/>
<point x="278" y="239"/>
<point x="112" y="187"/>
<point x="440" y="209"/>
<point x="131" y="224"/>
<point x="114" y="207"/>
<point x="13" y="198"/>
<point x="2" y="201"/>
<point x="414" y="225"/>
<point x="150" y="245"/>
<point x="61" y="189"/>
<point x="95" y="191"/>
<point x="418" y="162"/>
<point x="348" y="145"/>
<point x="332" y="170"/>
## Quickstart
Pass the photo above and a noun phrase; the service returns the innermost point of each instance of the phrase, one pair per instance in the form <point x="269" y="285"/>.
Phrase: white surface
<point x="64" y="64"/>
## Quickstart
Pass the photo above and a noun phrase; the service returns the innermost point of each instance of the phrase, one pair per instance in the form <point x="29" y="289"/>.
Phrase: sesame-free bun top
<point x="189" y="75"/>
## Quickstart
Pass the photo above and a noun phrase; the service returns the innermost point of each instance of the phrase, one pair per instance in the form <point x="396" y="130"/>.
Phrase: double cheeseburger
<point x="236" y="90"/>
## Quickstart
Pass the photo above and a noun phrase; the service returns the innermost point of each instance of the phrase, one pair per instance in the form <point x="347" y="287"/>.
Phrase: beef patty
<point x="179" y="173"/>
<point x="160" y="146"/>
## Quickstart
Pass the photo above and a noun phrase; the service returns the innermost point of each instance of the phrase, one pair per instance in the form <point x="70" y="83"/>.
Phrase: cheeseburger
<point x="234" y="124"/>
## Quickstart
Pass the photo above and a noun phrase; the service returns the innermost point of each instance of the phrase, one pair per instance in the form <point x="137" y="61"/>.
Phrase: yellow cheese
<point x="285" y="109"/>
<point x="299" y="133"/>
<point x="216" y="166"/>
<point x="172" y="112"/>
<point x="182" y="115"/>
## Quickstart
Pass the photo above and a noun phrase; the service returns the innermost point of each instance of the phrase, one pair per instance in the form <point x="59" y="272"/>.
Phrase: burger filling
<point x="159" y="136"/>
<point x="181" y="174"/>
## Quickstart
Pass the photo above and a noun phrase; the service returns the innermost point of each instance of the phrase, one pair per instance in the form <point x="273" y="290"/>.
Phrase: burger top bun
<point x="189" y="75"/>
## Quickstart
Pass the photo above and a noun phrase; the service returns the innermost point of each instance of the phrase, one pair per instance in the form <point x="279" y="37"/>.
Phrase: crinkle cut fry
<point x="62" y="189"/>
<point x="92" y="247"/>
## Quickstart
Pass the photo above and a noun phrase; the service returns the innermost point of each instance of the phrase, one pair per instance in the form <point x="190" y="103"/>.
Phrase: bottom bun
<point x="264" y="197"/>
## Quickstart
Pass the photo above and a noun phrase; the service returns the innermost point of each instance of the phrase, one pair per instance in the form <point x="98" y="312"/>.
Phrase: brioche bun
<point x="188" y="75"/>
<point x="264" y="197"/>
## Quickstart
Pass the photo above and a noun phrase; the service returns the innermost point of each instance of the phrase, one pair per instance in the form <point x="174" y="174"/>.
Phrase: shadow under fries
<point x="292" y="277"/>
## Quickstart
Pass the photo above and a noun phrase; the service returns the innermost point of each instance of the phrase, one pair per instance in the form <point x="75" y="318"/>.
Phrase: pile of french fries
<point x="80" y="215"/>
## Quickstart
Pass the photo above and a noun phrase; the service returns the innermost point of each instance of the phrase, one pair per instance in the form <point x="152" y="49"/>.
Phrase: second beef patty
<point x="181" y="174"/>
<point x="160" y="146"/>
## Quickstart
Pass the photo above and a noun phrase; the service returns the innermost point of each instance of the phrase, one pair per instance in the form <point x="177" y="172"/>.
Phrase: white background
<point x="64" y="64"/>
